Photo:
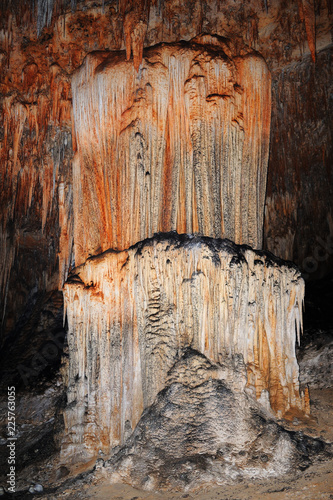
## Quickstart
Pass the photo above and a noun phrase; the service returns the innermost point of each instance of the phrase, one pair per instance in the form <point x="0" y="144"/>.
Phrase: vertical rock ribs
<point x="182" y="144"/>
<point x="131" y="314"/>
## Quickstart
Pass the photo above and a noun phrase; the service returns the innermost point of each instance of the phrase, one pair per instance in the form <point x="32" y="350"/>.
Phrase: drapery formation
<point x="131" y="315"/>
<point x="180" y="145"/>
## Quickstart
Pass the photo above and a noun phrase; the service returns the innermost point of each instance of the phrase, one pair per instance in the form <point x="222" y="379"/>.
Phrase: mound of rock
<point x="205" y="429"/>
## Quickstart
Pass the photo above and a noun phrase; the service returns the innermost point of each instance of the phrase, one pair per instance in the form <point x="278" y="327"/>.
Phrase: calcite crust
<point x="182" y="144"/>
<point x="131" y="315"/>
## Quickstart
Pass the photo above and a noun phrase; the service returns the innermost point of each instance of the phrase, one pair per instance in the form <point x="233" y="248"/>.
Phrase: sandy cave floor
<point x="315" y="483"/>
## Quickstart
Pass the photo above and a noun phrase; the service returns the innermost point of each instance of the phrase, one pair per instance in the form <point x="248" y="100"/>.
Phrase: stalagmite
<point x="202" y="430"/>
<point x="180" y="145"/>
<point x="132" y="143"/>
<point x="131" y="315"/>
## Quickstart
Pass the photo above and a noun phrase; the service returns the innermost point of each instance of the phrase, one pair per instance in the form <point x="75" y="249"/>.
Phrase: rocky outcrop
<point x="203" y="429"/>
<point x="132" y="314"/>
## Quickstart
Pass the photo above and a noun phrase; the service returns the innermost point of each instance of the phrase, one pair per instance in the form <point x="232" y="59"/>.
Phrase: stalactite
<point x="132" y="313"/>
<point x="307" y="15"/>
<point x="33" y="150"/>
<point x="67" y="231"/>
<point x="135" y="22"/>
<point x="44" y="14"/>
<point x="182" y="145"/>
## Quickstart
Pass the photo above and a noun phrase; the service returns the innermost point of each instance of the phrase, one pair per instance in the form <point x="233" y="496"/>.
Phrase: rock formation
<point x="179" y="142"/>
<point x="180" y="145"/>
<point x="204" y="430"/>
<point x="135" y="136"/>
<point x="131" y="315"/>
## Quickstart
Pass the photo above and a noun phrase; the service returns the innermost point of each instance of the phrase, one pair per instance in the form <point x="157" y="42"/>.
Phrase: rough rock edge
<point x="144" y="465"/>
<point x="190" y="240"/>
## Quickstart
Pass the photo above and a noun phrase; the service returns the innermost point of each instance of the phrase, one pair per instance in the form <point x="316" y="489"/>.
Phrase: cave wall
<point x="42" y="44"/>
<point x="298" y="218"/>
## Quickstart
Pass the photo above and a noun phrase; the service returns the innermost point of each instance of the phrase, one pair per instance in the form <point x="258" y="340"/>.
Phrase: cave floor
<point x="315" y="483"/>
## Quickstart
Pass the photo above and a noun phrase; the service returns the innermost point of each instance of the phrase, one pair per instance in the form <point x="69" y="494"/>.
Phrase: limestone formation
<point x="134" y="135"/>
<point x="182" y="144"/>
<point x="132" y="314"/>
<point x="204" y="430"/>
<point x="42" y="44"/>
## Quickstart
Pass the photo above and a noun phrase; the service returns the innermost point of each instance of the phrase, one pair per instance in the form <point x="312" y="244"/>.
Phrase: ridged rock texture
<point x="43" y="43"/>
<point x="181" y="145"/>
<point x="131" y="315"/>
<point x="221" y="434"/>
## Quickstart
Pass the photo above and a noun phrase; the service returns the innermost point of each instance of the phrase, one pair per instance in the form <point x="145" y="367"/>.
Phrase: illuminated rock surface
<point x="44" y="196"/>
<point x="132" y="314"/>
<point x="203" y="429"/>
<point x="181" y="145"/>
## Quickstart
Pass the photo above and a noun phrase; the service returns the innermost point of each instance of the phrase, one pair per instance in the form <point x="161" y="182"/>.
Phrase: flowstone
<point x="180" y="145"/>
<point x="131" y="314"/>
<point x="204" y="429"/>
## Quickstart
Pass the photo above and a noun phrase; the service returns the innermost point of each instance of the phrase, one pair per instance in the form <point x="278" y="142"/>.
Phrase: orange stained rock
<point x="36" y="116"/>
<point x="181" y="145"/>
<point x="135" y="22"/>
<point x="307" y="14"/>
